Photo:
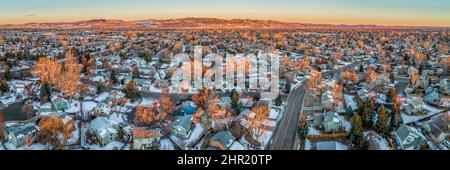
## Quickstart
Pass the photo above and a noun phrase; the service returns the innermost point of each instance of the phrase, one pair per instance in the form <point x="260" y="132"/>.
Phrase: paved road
<point x="284" y="138"/>
<point x="401" y="85"/>
<point x="285" y="134"/>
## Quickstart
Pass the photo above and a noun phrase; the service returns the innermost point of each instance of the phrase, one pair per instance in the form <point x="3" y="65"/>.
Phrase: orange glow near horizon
<point x="381" y="12"/>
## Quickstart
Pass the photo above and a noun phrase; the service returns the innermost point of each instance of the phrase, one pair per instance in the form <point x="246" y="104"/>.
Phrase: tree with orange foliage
<point x="69" y="81"/>
<point x="200" y="97"/>
<point x="337" y="93"/>
<point x="197" y="115"/>
<point x="144" y="116"/>
<point x="419" y="58"/>
<point x="302" y="64"/>
<point x="350" y="75"/>
<point x="166" y="105"/>
<point x="69" y="127"/>
<point x="261" y="112"/>
<point x="314" y="81"/>
<point x="130" y="91"/>
<point x="371" y="75"/>
<point x="303" y="127"/>
<point x="51" y="131"/>
<point x="47" y="69"/>
<point x="214" y="111"/>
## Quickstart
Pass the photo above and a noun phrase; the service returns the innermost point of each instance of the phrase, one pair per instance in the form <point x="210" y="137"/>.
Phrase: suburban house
<point x="222" y="140"/>
<point x="431" y="95"/>
<point x="104" y="130"/>
<point x="437" y="127"/>
<point x="331" y="122"/>
<point x="61" y="104"/>
<point x="376" y="142"/>
<point x="181" y="126"/>
<point x="16" y="134"/>
<point x="409" y="138"/>
<point x="189" y="107"/>
<point x="414" y="106"/>
<point x="144" y="139"/>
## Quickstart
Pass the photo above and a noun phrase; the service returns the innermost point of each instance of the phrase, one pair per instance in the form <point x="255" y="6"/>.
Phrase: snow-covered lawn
<point x="117" y="118"/>
<point x="88" y="106"/>
<point x="110" y="146"/>
<point x="308" y="145"/>
<point x="74" y="107"/>
<point x="431" y="111"/>
<point x="313" y="131"/>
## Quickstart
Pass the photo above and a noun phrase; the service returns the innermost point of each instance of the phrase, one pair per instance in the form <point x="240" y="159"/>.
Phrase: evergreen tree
<point x="113" y="76"/>
<point x="278" y="100"/>
<point x="99" y="88"/>
<point x="44" y="94"/>
<point x="7" y="74"/>
<point x="234" y="100"/>
<point x="395" y="117"/>
<point x="122" y="56"/>
<point x="392" y="95"/>
<point x="382" y="122"/>
<point x="4" y="86"/>
<point x="356" y="130"/>
<point x="130" y="91"/>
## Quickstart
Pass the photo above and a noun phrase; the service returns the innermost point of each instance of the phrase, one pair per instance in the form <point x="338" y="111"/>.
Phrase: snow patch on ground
<point x="308" y="145"/>
<point x="313" y="131"/>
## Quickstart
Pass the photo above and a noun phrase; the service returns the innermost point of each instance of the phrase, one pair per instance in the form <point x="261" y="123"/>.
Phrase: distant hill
<point x="195" y="23"/>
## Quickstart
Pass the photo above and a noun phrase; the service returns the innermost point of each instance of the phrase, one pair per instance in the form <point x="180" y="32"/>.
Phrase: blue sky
<point x="381" y="12"/>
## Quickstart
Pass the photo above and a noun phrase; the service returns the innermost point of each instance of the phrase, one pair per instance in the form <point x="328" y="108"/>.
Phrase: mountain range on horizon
<point x="195" y="23"/>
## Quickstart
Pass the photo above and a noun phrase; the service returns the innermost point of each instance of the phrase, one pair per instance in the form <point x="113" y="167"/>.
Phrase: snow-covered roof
<point x="195" y="135"/>
<point x="273" y="114"/>
<point x="102" y="97"/>
<point x="331" y="145"/>
<point x="237" y="146"/>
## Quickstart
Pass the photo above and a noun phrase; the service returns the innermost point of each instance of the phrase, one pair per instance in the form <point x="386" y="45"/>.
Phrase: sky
<point x="379" y="12"/>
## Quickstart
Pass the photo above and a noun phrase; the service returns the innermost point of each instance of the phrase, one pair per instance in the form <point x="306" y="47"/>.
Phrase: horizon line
<point x="228" y="19"/>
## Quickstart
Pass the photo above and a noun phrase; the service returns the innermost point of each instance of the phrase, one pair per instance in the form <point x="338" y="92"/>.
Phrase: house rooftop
<point x="183" y="121"/>
<point x="225" y="138"/>
<point x="331" y="145"/>
<point x="143" y="133"/>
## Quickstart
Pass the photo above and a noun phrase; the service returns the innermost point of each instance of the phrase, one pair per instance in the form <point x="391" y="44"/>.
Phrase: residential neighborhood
<point x="124" y="89"/>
